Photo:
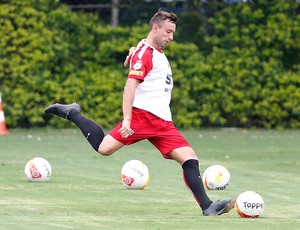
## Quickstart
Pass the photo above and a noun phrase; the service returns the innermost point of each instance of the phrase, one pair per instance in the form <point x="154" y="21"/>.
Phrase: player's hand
<point x="125" y="130"/>
<point x="127" y="60"/>
<point x="131" y="50"/>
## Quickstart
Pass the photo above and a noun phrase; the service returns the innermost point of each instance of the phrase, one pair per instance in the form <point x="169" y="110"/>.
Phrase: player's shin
<point x="90" y="129"/>
<point x="194" y="182"/>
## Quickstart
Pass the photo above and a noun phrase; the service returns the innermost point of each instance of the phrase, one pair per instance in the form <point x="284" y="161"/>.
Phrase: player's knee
<point x="105" y="151"/>
<point x="108" y="146"/>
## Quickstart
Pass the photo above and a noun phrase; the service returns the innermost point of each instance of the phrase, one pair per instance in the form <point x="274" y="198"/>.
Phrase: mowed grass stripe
<point x="85" y="191"/>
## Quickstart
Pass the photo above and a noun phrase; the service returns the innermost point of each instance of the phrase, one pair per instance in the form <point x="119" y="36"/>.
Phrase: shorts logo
<point x="138" y="65"/>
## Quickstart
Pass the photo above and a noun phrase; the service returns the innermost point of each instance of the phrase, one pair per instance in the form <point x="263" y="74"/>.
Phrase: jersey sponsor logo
<point x="137" y="73"/>
<point x="138" y="65"/>
<point x="169" y="79"/>
<point x="169" y="82"/>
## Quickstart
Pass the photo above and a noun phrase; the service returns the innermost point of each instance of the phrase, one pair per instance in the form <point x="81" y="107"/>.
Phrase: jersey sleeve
<point x="141" y="64"/>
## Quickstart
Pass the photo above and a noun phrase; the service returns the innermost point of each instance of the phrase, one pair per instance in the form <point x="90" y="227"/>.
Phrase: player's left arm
<point x="128" y="57"/>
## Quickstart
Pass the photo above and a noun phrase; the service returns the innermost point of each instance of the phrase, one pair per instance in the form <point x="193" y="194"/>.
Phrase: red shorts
<point x="162" y="134"/>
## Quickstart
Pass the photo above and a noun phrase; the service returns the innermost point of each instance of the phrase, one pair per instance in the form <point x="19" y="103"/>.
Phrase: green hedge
<point x="247" y="76"/>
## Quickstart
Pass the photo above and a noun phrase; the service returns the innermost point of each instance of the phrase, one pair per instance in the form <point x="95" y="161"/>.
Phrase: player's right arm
<point x="128" y="97"/>
<point x="141" y="63"/>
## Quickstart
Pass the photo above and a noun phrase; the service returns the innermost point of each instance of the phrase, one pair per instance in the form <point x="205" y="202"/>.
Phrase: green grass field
<point x="85" y="190"/>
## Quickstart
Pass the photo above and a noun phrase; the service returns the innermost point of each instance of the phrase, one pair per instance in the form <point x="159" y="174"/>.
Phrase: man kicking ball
<point x="146" y="112"/>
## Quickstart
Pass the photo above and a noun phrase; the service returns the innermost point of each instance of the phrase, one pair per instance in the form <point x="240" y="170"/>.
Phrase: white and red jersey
<point x="152" y="68"/>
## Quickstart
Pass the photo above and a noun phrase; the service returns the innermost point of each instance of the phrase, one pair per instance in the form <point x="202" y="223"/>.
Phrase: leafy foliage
<point x="250" y="74"/>
<point x="240" y="67"/>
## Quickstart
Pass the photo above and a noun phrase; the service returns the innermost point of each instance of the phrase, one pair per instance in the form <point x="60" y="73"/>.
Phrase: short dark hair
<point x="161" y="16"/>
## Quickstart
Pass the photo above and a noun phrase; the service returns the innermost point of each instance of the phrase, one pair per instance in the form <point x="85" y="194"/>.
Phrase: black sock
<point x="90" y="129"/>
<point x="194" y="182"/>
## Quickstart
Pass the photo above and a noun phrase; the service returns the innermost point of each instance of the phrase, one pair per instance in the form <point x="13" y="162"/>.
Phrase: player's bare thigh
<point x="109" y="145"/>
<point x="183" y="154"/>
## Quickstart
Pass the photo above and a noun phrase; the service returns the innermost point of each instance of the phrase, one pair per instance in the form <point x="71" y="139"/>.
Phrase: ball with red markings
<point x="135" y="175"/>
<point x="38" y="169"/>
<point x="249" y="205"/>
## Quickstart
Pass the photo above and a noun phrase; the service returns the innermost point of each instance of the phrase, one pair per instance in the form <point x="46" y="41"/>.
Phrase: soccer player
<point x="146" y="112"/>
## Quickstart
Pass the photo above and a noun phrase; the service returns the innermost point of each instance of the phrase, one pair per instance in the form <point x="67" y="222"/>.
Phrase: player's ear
<point x="155" y="27"/>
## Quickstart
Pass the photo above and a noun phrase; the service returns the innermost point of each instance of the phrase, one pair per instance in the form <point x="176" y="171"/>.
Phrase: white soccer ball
<point x="135" y="175"/>
<point x="38" y="169"/>
<point x="216" y="177"/>
<point x="249" y="205"/>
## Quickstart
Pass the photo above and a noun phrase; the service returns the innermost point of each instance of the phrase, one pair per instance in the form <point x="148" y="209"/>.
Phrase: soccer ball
<point x="249" y="205"/>
<point x="38" y="169"/>
<point x="135" y="175"/>
<point x="216" y="177"/>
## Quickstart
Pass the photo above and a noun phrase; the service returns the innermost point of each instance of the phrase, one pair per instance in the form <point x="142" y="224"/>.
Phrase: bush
<point x="246" y="76"/>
